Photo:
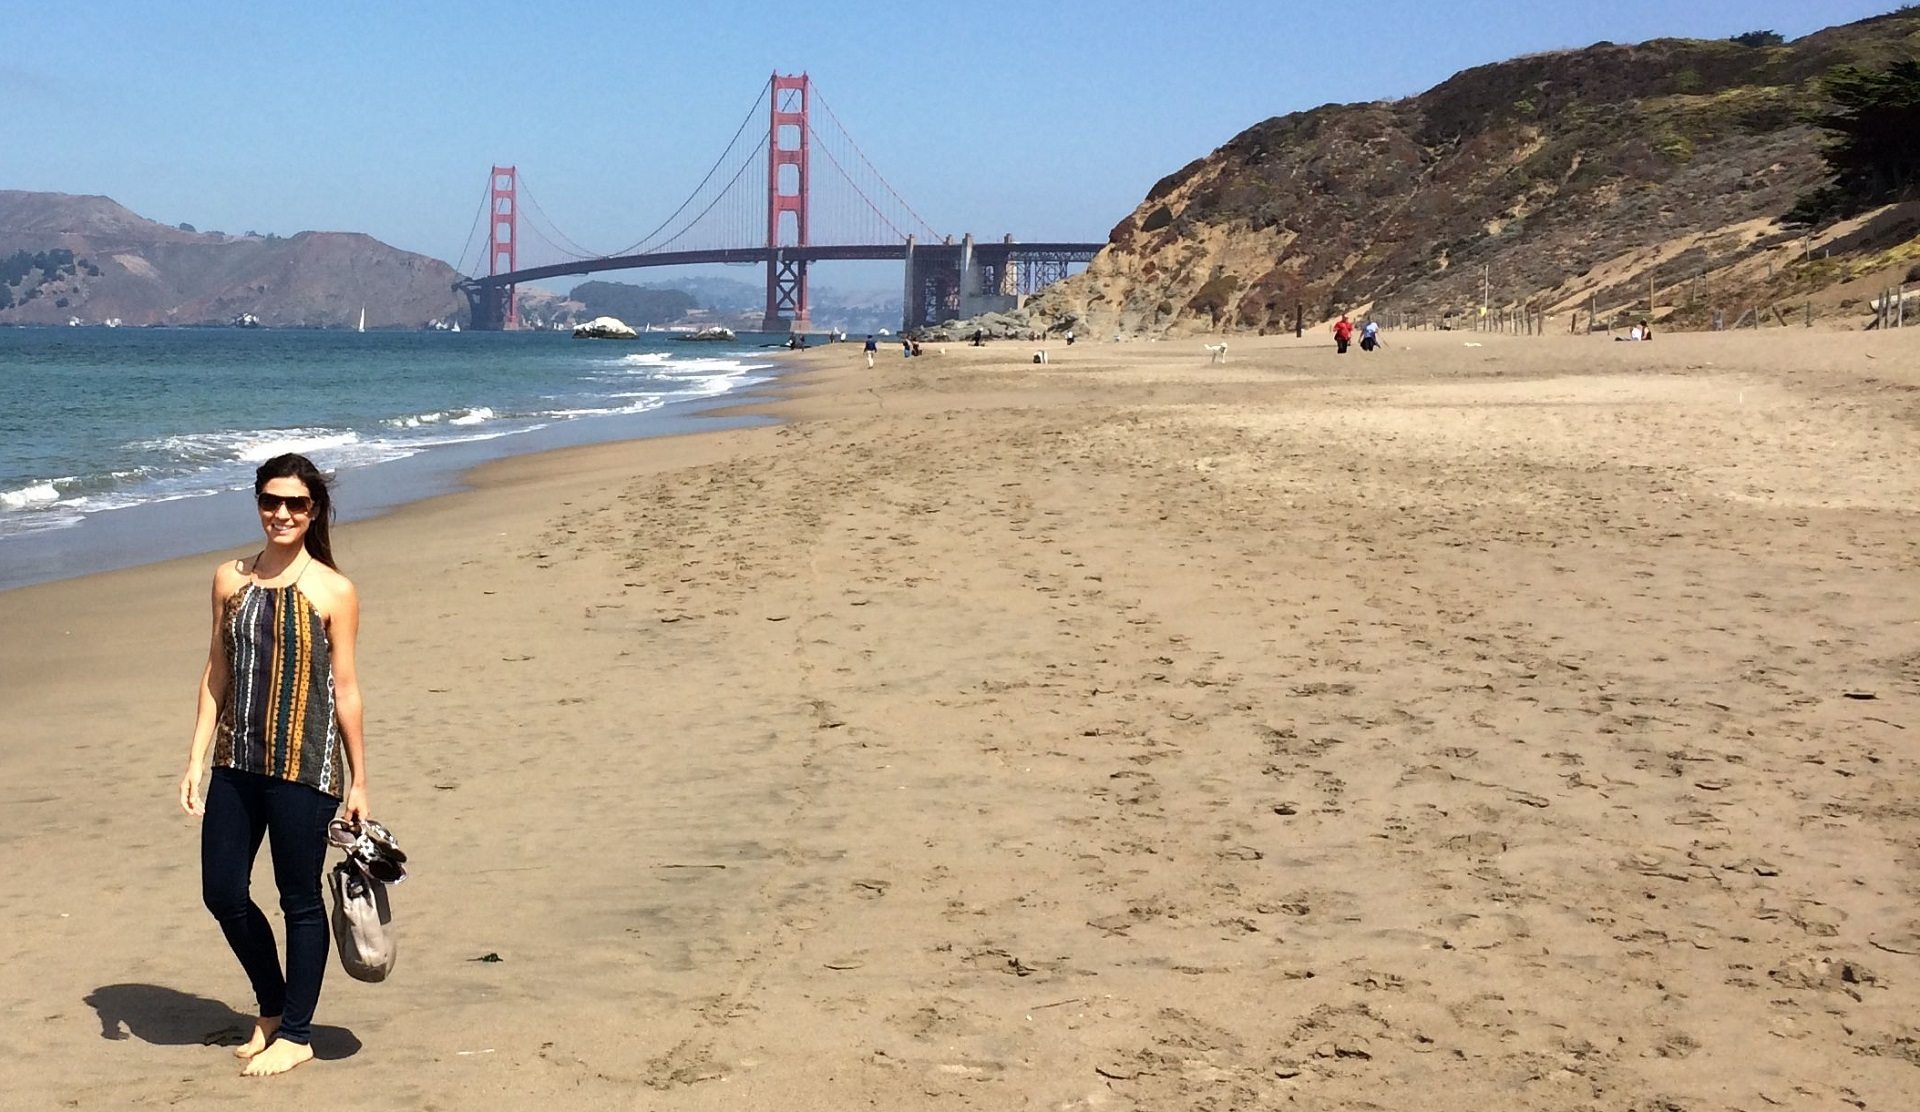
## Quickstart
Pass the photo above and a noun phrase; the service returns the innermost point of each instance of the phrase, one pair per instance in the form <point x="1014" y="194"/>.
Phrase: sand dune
<point x="1447" y="728"/>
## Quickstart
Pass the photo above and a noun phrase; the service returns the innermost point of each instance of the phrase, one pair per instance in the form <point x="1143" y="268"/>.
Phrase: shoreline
<point x="1125" y="732"/>
<point x="127" y="537"/>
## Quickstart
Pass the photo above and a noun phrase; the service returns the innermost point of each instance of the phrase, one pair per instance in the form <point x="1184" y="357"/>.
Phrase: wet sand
<point x="1528" y="725"/>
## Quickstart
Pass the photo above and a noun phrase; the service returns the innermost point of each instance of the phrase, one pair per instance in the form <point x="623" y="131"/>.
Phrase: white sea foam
<point x="475" y="416"/>
<point x="665" y="363"/>
<point x="248" y="446"/>
<point x="414" y="421"/>
<point x="271" y="445"/>
<point x="644" y="402"/>
<point x="33" y="494"/>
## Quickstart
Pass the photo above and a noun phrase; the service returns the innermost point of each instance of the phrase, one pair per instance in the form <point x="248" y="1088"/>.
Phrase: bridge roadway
<point x="487" y="295"/>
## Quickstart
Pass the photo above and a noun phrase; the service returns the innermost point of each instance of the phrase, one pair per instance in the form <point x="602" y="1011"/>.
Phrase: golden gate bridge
<point x="766" y="201"/>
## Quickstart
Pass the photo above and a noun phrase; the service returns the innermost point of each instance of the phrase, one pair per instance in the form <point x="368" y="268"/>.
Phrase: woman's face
<point x="286" y="509"/>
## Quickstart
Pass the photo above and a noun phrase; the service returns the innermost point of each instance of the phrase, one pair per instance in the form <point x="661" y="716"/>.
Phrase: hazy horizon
<point x="1045" y="123"/>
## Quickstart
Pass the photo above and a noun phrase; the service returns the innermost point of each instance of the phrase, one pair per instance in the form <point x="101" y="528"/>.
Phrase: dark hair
<point x="292" y="465"/>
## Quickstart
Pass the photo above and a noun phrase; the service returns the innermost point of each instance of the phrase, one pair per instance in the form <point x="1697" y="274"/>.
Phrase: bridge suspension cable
<point x="844" y="201"/>
<point x="759" y="101"/>
<point x="731" y="218"/>
<point x="878" y="176"/>
<point x="559" y="240"/>
<point x="472" y="249"/>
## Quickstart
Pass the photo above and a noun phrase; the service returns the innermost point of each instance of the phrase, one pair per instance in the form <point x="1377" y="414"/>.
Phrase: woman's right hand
<point x="191" y="801"/>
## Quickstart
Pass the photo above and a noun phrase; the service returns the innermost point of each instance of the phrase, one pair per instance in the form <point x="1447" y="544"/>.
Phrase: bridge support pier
<point x="786" y="295"/>
<point x="489" y="305"/>
<point x="949" y="281"/>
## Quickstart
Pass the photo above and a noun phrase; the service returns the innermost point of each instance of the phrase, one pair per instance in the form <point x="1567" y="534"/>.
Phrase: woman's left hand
<point x="356" y="803"/>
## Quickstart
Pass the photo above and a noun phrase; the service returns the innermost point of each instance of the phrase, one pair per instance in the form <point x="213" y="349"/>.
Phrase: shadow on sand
<point x="169" y="1017"/>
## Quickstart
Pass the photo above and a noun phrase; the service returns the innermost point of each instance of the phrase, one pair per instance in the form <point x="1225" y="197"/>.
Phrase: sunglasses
<point x="298" y="505"/>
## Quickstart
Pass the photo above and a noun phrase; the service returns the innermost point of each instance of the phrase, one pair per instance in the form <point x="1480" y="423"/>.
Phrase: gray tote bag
<point x="362" y="923"/>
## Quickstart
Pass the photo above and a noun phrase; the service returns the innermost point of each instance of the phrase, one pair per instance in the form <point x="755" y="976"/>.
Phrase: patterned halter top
<point x="279" y="716"/>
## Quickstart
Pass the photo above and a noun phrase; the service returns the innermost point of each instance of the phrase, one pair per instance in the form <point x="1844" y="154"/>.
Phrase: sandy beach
<point x="1483" y="723"/>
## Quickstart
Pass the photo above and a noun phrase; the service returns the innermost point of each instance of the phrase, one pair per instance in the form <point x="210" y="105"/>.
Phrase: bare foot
<point x="279" y="1057"/>
<point x="263" y="1029"/>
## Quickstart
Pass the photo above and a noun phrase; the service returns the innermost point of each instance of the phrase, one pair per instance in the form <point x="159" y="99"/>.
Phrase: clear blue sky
<point x="1047" y="119"/>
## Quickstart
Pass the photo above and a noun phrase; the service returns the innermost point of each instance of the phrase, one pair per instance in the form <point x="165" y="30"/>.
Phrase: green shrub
<point x="1677" y="148"/>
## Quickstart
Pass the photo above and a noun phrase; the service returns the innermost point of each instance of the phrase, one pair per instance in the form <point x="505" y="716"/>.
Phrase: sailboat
<point x="363" y="318"/>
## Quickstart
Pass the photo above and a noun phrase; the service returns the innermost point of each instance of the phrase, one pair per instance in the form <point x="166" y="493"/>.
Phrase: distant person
<point x="979" y="338"/>
<point x="1646" y="330"/>
<point x="1370" y="335"/>
<point x="1342" y="333"/>
<point x="916" y="347"/>
<point x="873" y="348"/>
<point x="906" y="347"/>
<point x="1069" y="337"/>
<point x="280" y="725"/>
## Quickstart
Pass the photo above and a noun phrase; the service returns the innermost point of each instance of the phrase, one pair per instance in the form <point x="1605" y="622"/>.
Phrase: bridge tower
<point x="503" y="238"/>
<point x="787" y="140"/>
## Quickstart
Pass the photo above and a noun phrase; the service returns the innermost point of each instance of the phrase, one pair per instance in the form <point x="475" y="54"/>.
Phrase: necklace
<point x="253" y="573"/>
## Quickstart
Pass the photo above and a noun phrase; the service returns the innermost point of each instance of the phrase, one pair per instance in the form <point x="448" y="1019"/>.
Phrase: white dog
<point x="1217" y="353"/>
<point x="1039" y="357"/>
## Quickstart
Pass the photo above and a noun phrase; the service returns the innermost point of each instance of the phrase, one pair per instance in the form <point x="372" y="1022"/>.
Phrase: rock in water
<point x="604" y="328"/>
<point x="710" y="332"/>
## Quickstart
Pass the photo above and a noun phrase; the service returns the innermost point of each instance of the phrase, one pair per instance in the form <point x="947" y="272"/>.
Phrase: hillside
<point x="65" y="256"/>
<point x="1557" y="180"/>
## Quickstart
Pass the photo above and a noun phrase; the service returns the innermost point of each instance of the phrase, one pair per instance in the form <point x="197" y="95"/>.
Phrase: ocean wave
<point x="169" y="466"/>
<point x="644" y="402"/>
<point x="30" y="495"/>
<point x="245" y="446"/>
<point x="415" y="421"/>
<point x="264" y="449"/>
<point x="675" y="366"/>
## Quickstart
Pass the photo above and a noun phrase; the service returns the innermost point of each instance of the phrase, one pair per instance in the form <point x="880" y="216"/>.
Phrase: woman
<point x="280" y="712"/>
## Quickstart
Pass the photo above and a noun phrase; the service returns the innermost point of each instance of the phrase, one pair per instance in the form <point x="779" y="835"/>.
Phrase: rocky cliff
<point x="64" y="256"/>
<point x="1553" y="181"/>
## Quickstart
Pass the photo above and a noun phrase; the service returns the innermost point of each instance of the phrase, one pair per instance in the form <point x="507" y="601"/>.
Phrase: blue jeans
<point x="242" y="808"/>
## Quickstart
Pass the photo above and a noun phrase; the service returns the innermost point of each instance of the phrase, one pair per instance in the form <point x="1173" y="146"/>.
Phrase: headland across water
<point x="1481" y="723"/>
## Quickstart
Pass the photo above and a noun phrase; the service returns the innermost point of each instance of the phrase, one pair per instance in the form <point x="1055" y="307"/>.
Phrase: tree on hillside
<point x="1873" y="149"/>
<point x="1760" y="38"/>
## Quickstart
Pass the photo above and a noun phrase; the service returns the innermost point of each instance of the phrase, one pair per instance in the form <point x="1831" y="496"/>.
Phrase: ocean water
<point x="98" y="427"/>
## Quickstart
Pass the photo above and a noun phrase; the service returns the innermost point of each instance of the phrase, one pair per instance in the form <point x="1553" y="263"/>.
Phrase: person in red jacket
<point x="1342" y="333"/>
